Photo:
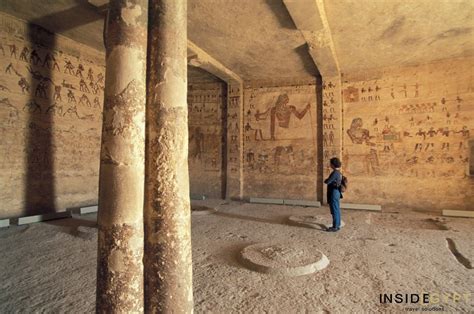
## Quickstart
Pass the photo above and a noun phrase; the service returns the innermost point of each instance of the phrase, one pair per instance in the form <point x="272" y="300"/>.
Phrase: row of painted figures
<point x="50" y="61"/>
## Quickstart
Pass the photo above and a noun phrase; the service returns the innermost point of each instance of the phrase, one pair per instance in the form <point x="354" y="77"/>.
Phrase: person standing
<point x="334" y="194"/>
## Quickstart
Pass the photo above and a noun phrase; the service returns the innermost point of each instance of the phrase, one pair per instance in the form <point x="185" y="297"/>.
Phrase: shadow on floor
<point x="231" y="255"/>
<point x="459" y="257"/>
<point x="250" y="218"/>
<point x="313" y="226"/>
<point x="84" y="227"/>
<point x="12" y="230"/>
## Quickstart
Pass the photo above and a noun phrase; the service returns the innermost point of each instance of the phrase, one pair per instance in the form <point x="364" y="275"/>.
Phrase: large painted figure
<point x="281" y="111"/>
<point x="280" y="141"/>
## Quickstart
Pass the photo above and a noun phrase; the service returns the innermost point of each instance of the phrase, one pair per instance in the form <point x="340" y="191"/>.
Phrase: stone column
<point x="122" y="160"/>
<point x="168" y="265"/>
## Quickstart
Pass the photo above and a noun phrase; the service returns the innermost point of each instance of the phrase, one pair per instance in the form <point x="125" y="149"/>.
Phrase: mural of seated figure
<point x="363" y="156"/>
<point x="357" y="134"/>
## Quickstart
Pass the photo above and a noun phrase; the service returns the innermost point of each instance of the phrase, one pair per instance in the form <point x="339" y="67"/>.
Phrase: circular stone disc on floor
<point x="202" y="210"/>
<point x="316" y="222"/>
<point x="288" y="259"/>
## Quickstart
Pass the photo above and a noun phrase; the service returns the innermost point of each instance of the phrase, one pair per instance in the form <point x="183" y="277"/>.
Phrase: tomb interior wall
<point x="280" y="141"/>
<point x="206" y="105"/>
<point x="51" y="97"/>
<point x="406" y="136"/>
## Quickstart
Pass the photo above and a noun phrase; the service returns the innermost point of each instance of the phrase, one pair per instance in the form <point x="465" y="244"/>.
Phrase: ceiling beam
<point x="196" y="56"/>
<point x="310" y="18"/>
<point x="201" y="59"/>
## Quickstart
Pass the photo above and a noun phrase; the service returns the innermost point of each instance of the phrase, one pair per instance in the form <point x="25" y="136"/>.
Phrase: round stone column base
<point x="202" y="210"/>
<point x="287" y="259"/>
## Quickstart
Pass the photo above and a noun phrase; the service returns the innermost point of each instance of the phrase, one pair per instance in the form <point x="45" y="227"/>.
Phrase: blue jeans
<point x="334" y="197"/>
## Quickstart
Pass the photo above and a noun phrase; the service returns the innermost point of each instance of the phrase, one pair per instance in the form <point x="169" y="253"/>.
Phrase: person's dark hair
<point x="335" y="162"/>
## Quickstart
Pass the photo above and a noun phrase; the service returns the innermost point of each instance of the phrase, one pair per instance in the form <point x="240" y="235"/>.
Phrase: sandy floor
<point x="51" y="266"/>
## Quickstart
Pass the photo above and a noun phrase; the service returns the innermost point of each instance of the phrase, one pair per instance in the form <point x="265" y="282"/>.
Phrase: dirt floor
<point x="51" y="267"/>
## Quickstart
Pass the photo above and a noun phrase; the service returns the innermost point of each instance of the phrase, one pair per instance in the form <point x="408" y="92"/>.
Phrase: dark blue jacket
<point x="334" y="182"/>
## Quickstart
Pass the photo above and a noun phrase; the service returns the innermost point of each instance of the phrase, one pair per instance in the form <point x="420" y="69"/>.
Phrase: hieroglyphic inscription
<point x="205" y="107"/>
<point x="415" y="133"/>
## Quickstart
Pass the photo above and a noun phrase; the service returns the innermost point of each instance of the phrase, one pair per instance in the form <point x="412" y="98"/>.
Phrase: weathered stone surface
<point x="287" y="259"/>
<point x="168" y="266"/>
<point x="121" y="186"/>
<point x="120" y="269"/>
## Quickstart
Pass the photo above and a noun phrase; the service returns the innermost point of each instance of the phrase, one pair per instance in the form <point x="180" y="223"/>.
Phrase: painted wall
<point x="331" y="125"/>
<point x="206" y="104"/>
<point x="235" y="141"/>
<point x="280" y="142"/>
<point x="51" y="95"/>
<point x="406" y="136"/>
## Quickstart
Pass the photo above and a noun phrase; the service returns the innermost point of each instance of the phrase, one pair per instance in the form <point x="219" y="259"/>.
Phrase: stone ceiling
<point x="257" y="39"/>
<point x="254" y="38"/>
<point x="197" y="75"/>
<point x="376" y="34"/>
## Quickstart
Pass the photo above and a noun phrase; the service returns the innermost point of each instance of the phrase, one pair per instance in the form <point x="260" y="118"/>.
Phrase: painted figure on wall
<point x="57" y="92"/>
<point x="25" y="86"/>
<point x="357" y="134"/>
<point x="281" y="112"/>
<point x="196" y="143"/>
<point x="24" y="54"/>
<point x="351" y="94"/>
<point x="364" y="156"/>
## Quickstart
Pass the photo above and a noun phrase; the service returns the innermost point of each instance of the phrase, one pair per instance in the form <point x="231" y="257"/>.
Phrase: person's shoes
<point x="332" y="229"/>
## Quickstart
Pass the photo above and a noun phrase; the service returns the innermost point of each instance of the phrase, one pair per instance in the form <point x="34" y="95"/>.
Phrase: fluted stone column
<point x="168" y="267"/>
<point x="121" y="187"/>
